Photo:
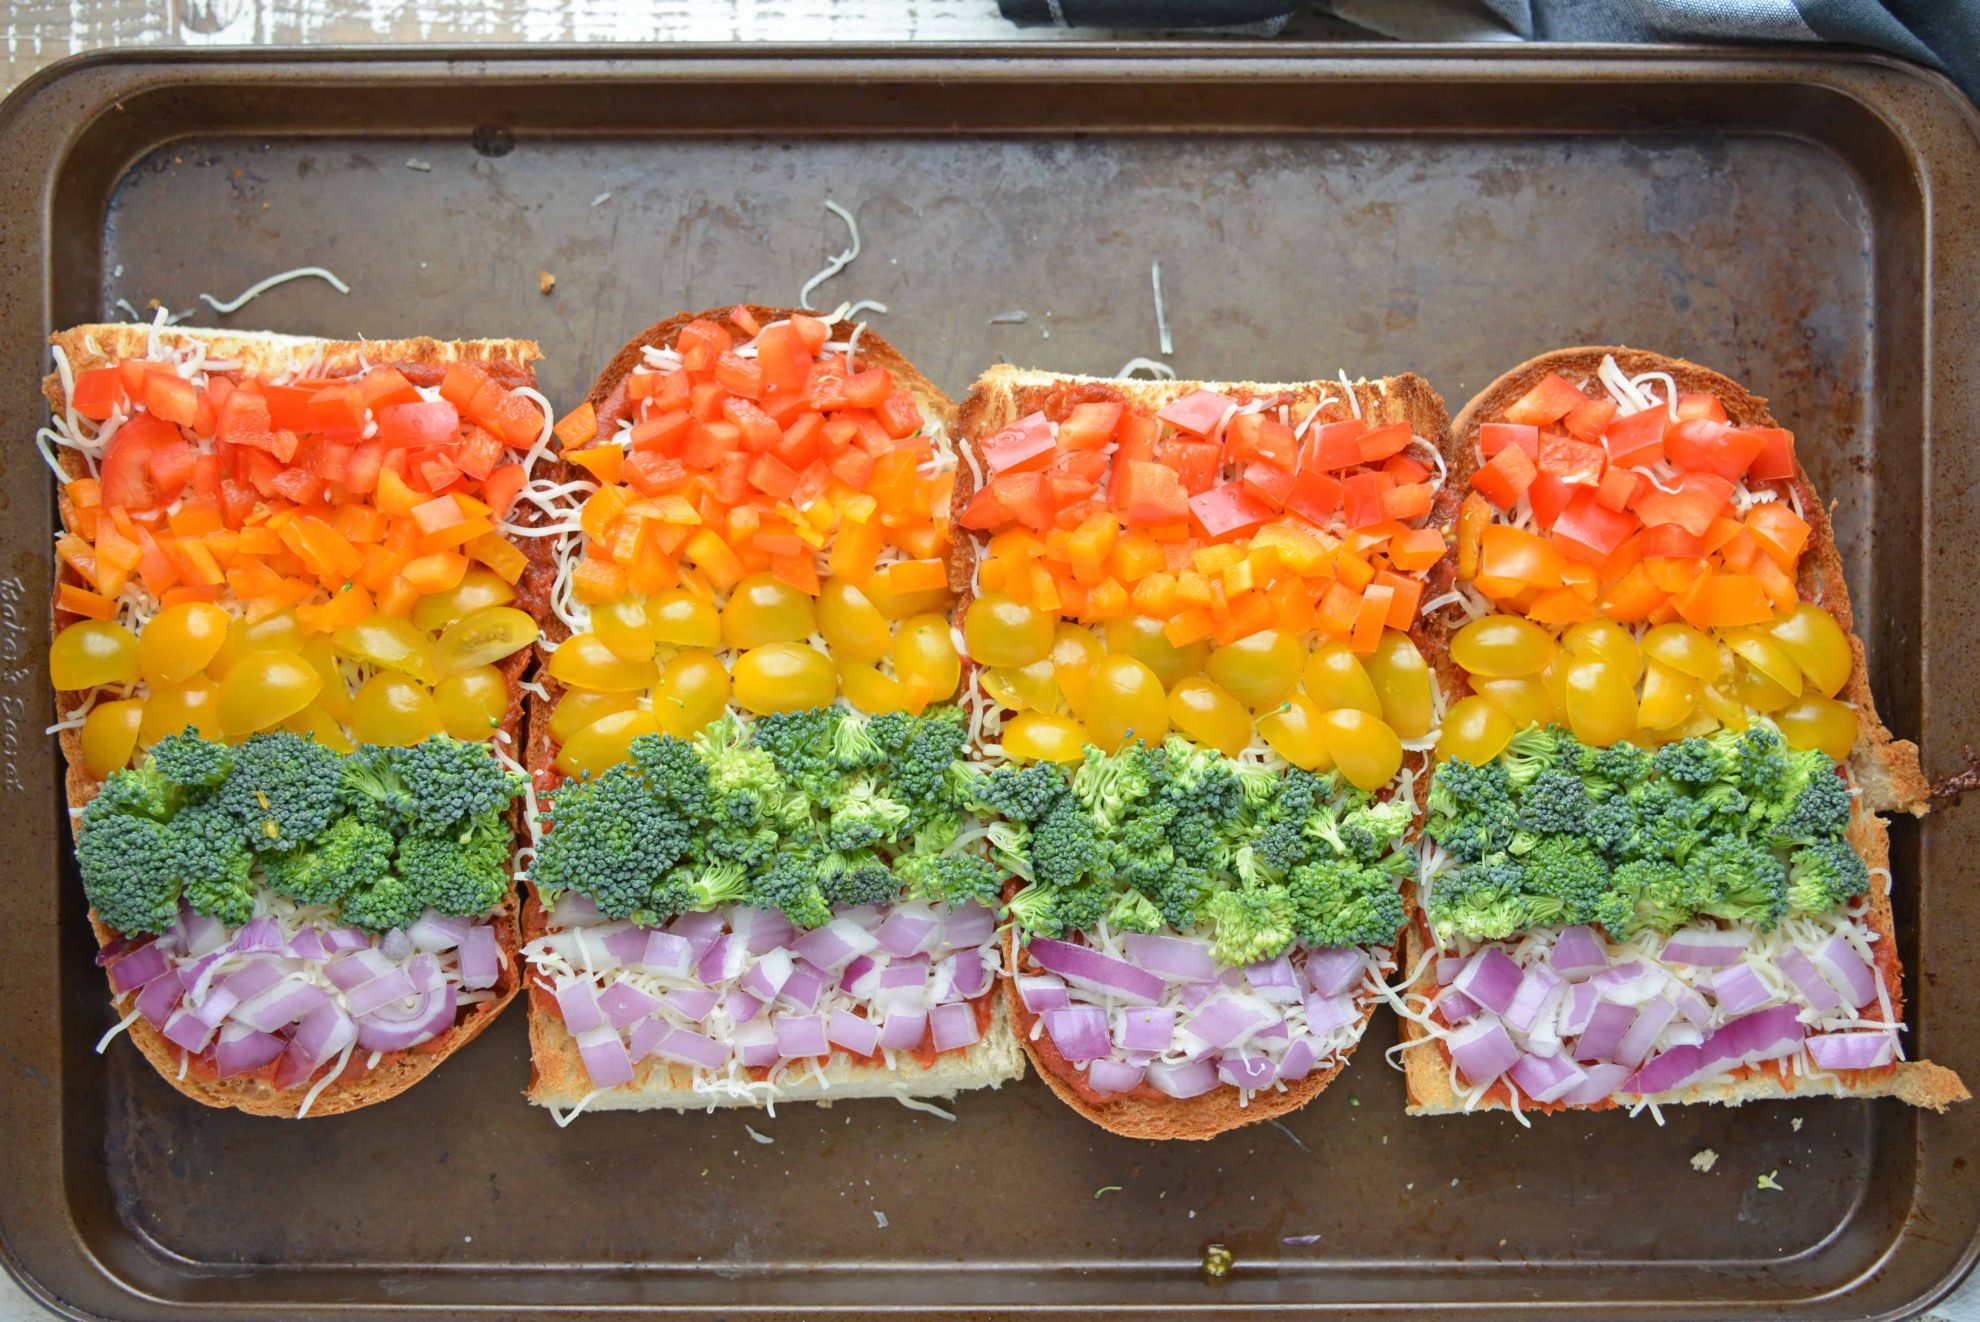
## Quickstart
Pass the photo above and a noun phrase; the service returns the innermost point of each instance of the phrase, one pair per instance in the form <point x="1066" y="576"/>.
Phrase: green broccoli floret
<point x="948" y="878"/>
<point x="1066" y="847"/>
<point x="801" y="744"/>
<point x="1471" y="809"/>
<point x="1134" y="912"/>
<point x="1339" y="903"/>
<point x="1652" y="893"/>
<point x="1565" y="882"/>
<point x="464" y="874"/>
<point x="1022" y="794"/>
<point x="1824" y="876"/>
<point x="923" y="758"/>
<point x="373" y="788"/>
<point x="1554" y="801"/>
<point x="1372" y="829"/>
<point x="743" y="778"/>
<point x="139" y="792"/>
<point x="1530" y="752"/>
<point x="1670" y="823"/>
<point x="1618" y="766"/>
<point x="350" y="854"/>
<point x="284" y="791"/>
<point x="1056" y="911"/>
<point x="1250" y="924"/>
<point x="193" y="764"/>
<point x="1746" y="880"/>
<point x="858" y="878"/>
<point x="1116" y="786"/>
<point x="791" y="883"/>
<point x="1281" y="847"/>
<point x="1178" y="890"/>
<point x="687" y="889"/>
<point x="1695" y="762"/>
<point x="452" y="784"/>
<point x="863" y="816"/>
<point x="216" y="863"/>
<point x="130" y="871"/>
<point x="611" y="839"/>
<point x="1819" y="808"/>
<point x="1481" y="900"/>
<point x="673" y="774"/>
<point x="388" y="901"/>
<point x="1756" y="760"/>
<point x="1612" y="825"/>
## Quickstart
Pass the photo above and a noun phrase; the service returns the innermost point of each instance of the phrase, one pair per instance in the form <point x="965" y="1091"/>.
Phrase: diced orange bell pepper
<point x="1416" y="549"/>
<point x="715" y="558"/>
<point x="1106" y="600"/>
<point x="499" y="554"/>
<point x="1781" y="532"/>
<point x="1377" y="603"/>
<point x="83" y="602"/>
<point x="1339" y="608"/>
<point x="596" y="581"/>
<point x="1408" y="593"/>
<point x="1718" y="601"/>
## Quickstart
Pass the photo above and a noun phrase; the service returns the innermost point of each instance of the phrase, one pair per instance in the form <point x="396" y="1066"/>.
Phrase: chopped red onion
<point x="201" y="935"/>
<point x="390" y="1029"/>
<point x="1680" y="1067"/>
<point x="1577" y="953"/>
<point x="755" y="1043"/>
<point x="1691" y="1005"/>
<point x="800" y="1035"/>
<point x="1536" y="985"/>
<point x="868" y="916"/>
<point x="308" y="944"/>
<point x="424" y="970"/>
<point x="804" y="986"/>
<point x="1847" y="973"/>
<point x="1706" y="947"/>
<point x="908" y="930"/>
<point x="1643" y="1032"/>
<point x="242" y="1050"/>
<point x="281" y="1005"/>
<point x="767" y="976"/>
<point x="954" y="1026"/>
<point x="605" y="1058"/>
<point x="323" y="1033"/>
<point x="138" y="967"/>
<point x="1449" y="964"/>
<point x="159" y="997"/>
<point x="113" y="950"/>
<point x="1232" y="978"/>
<point x="1482" y="1050"/>
<point x="1546" y="1078"/>
<point x="1851" y="1051"/>
<point x="967" y="925"/>
<point x="1814" y="988"/>
<point x="859" y="979"/>
<point x="902" y="987"/>
<point x="338" y="940"/>
<point x="857" y="1035"/>
<point x="1229" y="1021"/>
<point x="1112" y="1076"/>
<point x="1332" y="970"/>
<point x="1600" y="1082"/>
<point x="972" y="972"/>
<point x="1738" y="989"/>
<point x="577" y="998"/>
<point x="1579" y="1007"/>
<point x="721" y="960"/>
<point x="1138" y="1029"/>
<point x="573" y="909"/>
<point x="1194" y="994"/>
<point x="740" y="1006"/>
<point x="1084" y="967"/>
<point x="481" y="958"/>
<point x="1191" y="1078"/>
<point x="255" y="977"/>
<point x="1491" y="979"/>
<point x="358" y="967"/>
<point x="904" y="1030"/>
<point x="219" y="1003"/>
<point x="697" y="1003"/>
<point x="1274" y="980"/>
<point x="942" y="983"/>
<point x="436" y="932"/>
<point x="1457" y="1007"/>
<point x="625" y="943"/>
<point x="1172" y="958"/>
<point x="622" y="1004"/>
<point x="833" y="946"/>
<point x="1765" y="1035"/>
<point x="183" y="1029"/>
<point x="645" y="1036"/>
<point x="1325" y="1014"/>
<point x="1632" y="983"/>
<point x="691" y="1048"/>
<point x="1605" y="1030"/>
<point x="259" y="936"/>
<point x="396" y="944"/>
<point x="761" y="930"/>
<point x="1042" y="991"/>
<point x="292" y="1067"/>
<point x="1298" y="1061"/>
<point x="1276" y="1031"/>
<point x="698" y="929"/>
<point x="1250" y="1072"/>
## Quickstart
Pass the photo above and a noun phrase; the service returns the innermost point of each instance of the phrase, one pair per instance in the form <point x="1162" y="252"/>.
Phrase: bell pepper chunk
<point x="1698" y="501"/>
<point x="1148" y="493"/>
<point x="1025" y="444"/>
<point x="1507" y="477"/>
<point x="1496" y="436"/>
<point x="1549" y="401"/>
<point x="1589" y="530"/>
<point x="1227" y="510"/>
<point x="1198" y="412"/>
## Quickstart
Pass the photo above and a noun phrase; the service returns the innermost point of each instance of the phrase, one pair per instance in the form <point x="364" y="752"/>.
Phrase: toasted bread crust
<point x="1000" y="397"/>
<point x="264" y="354"/>
<point x="557" y="1074"/>
<point x="1884" y="766"/>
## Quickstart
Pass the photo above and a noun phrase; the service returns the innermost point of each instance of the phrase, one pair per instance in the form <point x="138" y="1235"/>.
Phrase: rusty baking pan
<point x="1803" y="223"/>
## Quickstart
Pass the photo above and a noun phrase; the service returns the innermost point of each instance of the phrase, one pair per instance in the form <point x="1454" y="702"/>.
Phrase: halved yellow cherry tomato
<point x="1292" y="730"/>
<point x="386" y="643"/>
<point x="1525" y="700"/>
<point x="1023" y="688"/>
<point x="472" y="702"/>
<point x="1759" y="691"/>
<point x="1075" y="651"/>
<point x="682" y="619"/>
<point x="1608" y="640"/>
<point x="1669" y="697"/>
<point x="1364" y="748"/>
<point x="478" y="588"/>
<point x="622" y="626"/>
<point x="180" y="641"/>
<point x="869" y="690"/>
<point x="264" y="689"/>
<point x="785" y="677"/>
<point x="1686" y="650"/>
<point x="394" y="709"/>
<point x="335" y="697"/>
<point x="278" y="632"/>
<point x="110" y="736"/>
<point x="1039" y="737"/>
<point x="1000" y="631"/>
<point x="1402" y="683"/>
<point x="582" y="661"/>
<point x="1141" y="637"/>
<point x="693" y="691"/>
<point x="851" y="624"/>
<point x="1334" y="678"/>
<point x="1259" y="669"/>
<point x="925" y="659"/>
<point x="1125" y="701"/>
<point x="1601" y="702"/>
<point x="482" y="638"/>
<point x="93" y="652"/>
<point x="1723" y="707"/>
<point x="1201" y="709"/>
<point x="1502" y="647"/>
<point x="1766" y="654"/>
<point x="763" y="609"/>
<point x="1819" y="647"/>
<point x="1474" y="730"/>
<point x="1817" y="722"/>
<point x="316" y="723"/>
<point x="894" y="605"/>
<point x="579" y="708"/>
<point x="604" y="743"/>
<point x="195" y="702"/>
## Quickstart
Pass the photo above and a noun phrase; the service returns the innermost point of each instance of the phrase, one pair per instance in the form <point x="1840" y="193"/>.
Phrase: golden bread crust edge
<point x="1002" y="395"/>
<point x="1886" y="767"/>
<point x="264" y="353"/>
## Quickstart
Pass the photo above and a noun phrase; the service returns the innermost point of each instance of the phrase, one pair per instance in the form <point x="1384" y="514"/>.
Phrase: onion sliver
<point x="1088" y="968"/>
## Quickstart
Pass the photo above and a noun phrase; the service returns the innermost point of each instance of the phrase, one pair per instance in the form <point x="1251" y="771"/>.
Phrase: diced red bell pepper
<point x="1571" y="461"/>
<point x="1407" y="500"/>
<point x="479" y="452"/>
<point x="983" y="513"/>
<point x="125" y="474"/>
<point x="1195" y="462"/>
<point x="1315" y="496"/>
<point x="1705" y="408"/>
<point x="1700" y="498"/>
<point x="170" y="398"/>
<point x="1506" y="478"/>
<point x="1262" y="437"/>
<point x="386" y="385"/>
<point x="1775" y="461"/>
<point x="288" y="407"/>
<point x="1025" y="444"/>
<point x="1617" y="487"/>
<point x="759" y="431"/>
<point x="1703" y="446"/>
<point x="1361" y="503"/>
<point x="304" y="488"/>
<point x="701" y="342"/>
<point x="1636" y="441"/>
<point x="1268" y="482"/>
<point x="1588" y="530"/>
<point x="899" y="416"/>
<point x="1670" y="541"/>
<point x="1381" y="442"/>
<point x="782" y="356"/>
<point x="1198" y="412"/>
<point x="361" y="472"/>
<point x="171" y="467"/>
<point x="663" y="432"/>
<point x="868" y="389"/>
<point x="97" y="394"/>
<point x="1146" y="493"/>
<point x="1023" y="497"/>
<point x="1227" y="510"/>
<point x="1496" y="436"/>
<point x="337" y="408"/>
<point x="1549" y="401"/>
<point x="1548" y="496"/>
<point x="424" y="423"/>
<point x="1089" y="426"/>
<point x="772" y="476"/>
<point x="1586" y="421"/>
<point x="1332" y="446"/>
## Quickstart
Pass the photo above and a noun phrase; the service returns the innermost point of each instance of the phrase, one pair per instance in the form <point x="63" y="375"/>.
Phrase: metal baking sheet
<point x="1806" y="224"/>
